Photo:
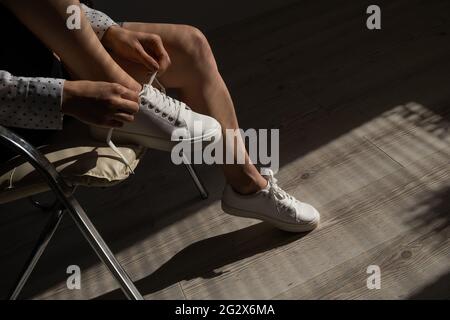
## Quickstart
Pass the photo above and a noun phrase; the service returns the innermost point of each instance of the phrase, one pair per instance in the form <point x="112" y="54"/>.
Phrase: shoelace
<point x="276" y="192"/>
<point x="170" y="108"/>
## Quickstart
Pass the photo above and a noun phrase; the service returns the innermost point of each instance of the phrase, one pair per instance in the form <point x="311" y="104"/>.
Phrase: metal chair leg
<point x="198" y="183"/>
<point x="37" y="252"/>
<point x="65" y="196"/>
<point x="104" y="253"/>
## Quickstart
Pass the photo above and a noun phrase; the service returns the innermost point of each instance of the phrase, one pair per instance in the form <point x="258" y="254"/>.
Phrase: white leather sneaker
<point x="272" y="205"/>
<point x="161" y="123"/>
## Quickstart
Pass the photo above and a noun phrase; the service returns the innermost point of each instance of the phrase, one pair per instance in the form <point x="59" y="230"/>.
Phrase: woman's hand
<point x="144" y="48"/>
<point x="100" y="103"/>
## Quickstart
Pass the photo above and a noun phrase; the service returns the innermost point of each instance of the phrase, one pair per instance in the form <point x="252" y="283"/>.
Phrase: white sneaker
<point x="161" y="123"/>
<point x="272" y="205"/>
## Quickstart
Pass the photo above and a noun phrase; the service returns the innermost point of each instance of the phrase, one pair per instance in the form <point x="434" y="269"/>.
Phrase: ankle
<point x="252" y="185"/>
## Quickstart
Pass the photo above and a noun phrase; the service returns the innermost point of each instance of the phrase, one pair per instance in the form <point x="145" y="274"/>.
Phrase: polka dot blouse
<point x="99" y="21"/>
<point x="35" y="103"/>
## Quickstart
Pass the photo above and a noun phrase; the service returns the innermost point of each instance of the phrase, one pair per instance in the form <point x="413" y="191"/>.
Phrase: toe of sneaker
<point x="306" y="213"/>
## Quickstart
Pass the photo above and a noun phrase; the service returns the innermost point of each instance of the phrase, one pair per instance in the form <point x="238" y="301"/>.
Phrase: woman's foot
<point x="162" y="122"/>
<point x="273" y="205"/>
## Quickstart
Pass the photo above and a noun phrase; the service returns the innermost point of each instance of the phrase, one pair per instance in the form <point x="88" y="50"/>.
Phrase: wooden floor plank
<point x="407" y="263"/>
<point x="383" y="210"/>
<point x="181" y="244"/>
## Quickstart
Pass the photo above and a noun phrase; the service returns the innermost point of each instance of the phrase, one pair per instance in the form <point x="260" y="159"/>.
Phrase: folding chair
<point x="82" y="162"/>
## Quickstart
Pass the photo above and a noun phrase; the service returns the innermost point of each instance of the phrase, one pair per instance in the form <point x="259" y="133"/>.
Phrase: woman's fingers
<point x="126" y="106"/>
<point x="148" y="61"/>
<point x="154" y="45"/>
<point x="163" y="56"/>
<point x="129" y="94"/>
<point x="123" y="117"/>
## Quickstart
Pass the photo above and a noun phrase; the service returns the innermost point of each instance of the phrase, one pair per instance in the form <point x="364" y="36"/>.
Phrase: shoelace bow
<point x="278" y="193"/>
<point x="170" y="108"/>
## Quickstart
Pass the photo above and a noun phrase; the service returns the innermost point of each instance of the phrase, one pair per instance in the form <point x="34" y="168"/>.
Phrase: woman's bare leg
<point x="193" y="70"/>
<point x="194" y="73"/>
<point x="80" y="50"/>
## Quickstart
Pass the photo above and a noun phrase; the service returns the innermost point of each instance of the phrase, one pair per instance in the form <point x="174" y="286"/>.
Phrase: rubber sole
<point x="278" y="224"/>
<point x="151" y="142"/>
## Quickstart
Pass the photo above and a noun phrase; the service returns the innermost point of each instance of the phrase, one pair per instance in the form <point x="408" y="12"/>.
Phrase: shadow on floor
<point x="199" y="261"/>
<point x="440" y="289"/>
<point x="435" y="221"/>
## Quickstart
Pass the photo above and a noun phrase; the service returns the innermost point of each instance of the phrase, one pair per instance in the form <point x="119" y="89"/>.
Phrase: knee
<point x="197" y="47"/>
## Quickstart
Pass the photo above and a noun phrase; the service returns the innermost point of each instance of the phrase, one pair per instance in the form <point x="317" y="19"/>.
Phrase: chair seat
<point x="81" y="160"/>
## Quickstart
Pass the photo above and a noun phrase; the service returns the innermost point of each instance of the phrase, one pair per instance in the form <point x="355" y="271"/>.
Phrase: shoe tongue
<point x="280" y="193"/>
<point x="153" y="92"/>
<point x="147" y="93"/>
<point x="144" y="90"/>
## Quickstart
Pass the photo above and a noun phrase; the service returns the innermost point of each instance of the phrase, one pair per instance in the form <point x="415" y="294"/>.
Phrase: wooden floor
<point x="365" y="137"/>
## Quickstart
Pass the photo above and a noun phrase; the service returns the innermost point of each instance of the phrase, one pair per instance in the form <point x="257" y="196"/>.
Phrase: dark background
<point x="204" y="14"/>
